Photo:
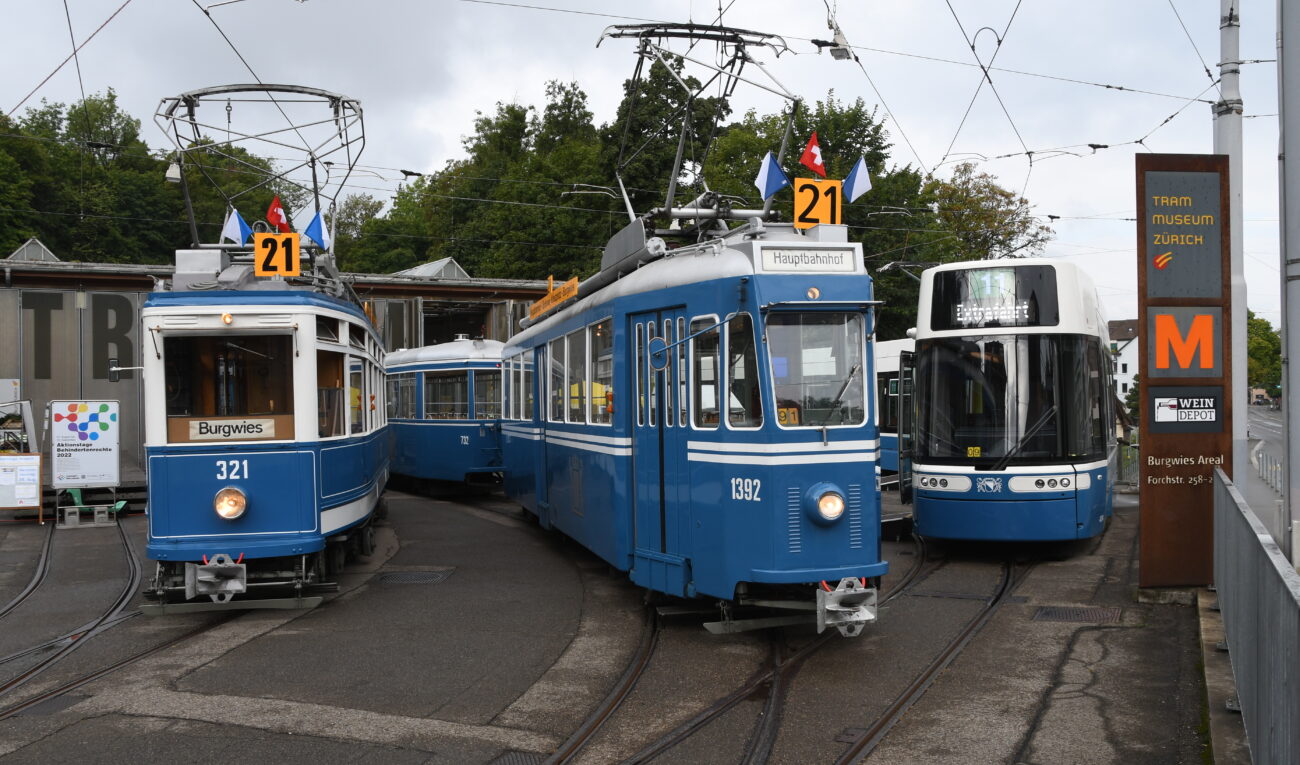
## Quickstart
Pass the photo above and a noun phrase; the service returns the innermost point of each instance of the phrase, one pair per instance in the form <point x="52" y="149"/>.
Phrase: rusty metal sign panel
<point x="1184" y="307"/>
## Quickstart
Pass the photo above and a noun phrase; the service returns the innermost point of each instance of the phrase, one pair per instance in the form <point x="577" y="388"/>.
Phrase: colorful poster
<point x="84" y="443"/>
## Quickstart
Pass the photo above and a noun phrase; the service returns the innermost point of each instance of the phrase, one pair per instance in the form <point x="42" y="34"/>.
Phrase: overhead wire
<point x="85" y="109"/>
<point x="1204" y="65"/>
<point x="63" y="63"/>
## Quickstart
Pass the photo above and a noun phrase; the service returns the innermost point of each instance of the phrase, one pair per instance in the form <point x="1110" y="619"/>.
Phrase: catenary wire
<point x="63" y="63"/>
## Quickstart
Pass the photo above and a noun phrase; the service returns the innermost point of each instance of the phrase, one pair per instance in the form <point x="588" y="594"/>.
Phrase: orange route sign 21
<point x="276" y="254"/>
<point x="817" y="202"/>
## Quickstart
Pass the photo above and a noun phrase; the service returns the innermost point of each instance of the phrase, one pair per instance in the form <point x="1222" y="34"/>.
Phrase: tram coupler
<point x="849" y="607"/>
<point x="219" y="578"/>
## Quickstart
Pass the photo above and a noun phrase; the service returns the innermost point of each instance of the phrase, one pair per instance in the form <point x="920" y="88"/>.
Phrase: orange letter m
<point x="1200" y="335"/>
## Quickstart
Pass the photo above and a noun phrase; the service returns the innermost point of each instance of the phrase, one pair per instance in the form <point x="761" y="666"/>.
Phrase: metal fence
<point x="1259" y="594"/>
<point x="1127" y="462"/>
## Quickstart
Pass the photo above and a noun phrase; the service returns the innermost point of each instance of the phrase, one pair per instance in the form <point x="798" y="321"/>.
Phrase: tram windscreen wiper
<point x="1043" y="419"/>
<point x="839" y="397"/>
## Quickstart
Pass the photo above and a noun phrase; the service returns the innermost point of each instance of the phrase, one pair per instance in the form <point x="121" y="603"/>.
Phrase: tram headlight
<point x="230" y="503"/>
<point x="830" y="505"/>
<point x="824" y="503"/>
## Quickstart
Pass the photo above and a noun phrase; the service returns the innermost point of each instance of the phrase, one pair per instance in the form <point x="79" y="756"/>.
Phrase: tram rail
<point x="107" y="618"/>
<point x="38" y="576"/>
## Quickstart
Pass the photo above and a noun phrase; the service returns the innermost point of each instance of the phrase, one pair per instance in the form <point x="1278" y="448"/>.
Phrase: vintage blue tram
<point x="1015" y="435"/>
<point x="700" y="418"/>
<point x="444" y="407"/>
<point x="266" y="437"/>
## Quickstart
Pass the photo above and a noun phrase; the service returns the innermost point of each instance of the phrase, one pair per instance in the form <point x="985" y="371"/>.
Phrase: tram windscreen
<point x="817" y="368"/>
<point x="1011" y="399"/>
<point x="228" y="375"/>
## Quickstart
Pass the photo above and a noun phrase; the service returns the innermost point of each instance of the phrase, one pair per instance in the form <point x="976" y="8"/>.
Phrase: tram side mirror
<point x="114" y="371"/>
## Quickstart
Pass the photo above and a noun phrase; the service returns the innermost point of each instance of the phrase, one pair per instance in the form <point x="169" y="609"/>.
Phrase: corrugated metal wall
<point x="59" y="342"/>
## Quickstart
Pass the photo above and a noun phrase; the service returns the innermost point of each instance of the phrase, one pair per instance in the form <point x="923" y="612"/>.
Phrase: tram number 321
<point x="230" y="470"/>
<point x="746" y="489"/>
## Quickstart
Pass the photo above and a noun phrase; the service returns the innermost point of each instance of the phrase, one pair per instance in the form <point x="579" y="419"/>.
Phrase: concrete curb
<point x="1227" y="733"/>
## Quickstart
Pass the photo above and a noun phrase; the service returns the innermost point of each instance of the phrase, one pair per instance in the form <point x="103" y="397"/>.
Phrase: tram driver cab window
<point x="329" y="394"/>
<point x="745" y="407"/>
<point x="230" y="376"/>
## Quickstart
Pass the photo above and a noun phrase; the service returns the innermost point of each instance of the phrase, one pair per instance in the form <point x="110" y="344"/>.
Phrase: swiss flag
<point x="812" y="157"/>
<point x="278" y="218"/>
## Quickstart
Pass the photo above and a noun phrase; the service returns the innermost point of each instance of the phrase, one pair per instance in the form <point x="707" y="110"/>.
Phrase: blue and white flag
<point x="771" y="178"/>
<point x="235" y="228"/>
<point x="317" y="232"/>
<point x="859" y="180"/>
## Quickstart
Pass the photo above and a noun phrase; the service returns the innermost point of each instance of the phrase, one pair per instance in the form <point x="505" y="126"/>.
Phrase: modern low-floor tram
<point x="702" y="421"/>
<point x="1015" y="435"/>
<point x="444" y="408"/>
<point x="266" y="439"/>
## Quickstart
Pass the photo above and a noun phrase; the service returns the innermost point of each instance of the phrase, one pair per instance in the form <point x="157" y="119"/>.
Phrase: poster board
<point x="85" y="444"/>
<point x="20" y="481"/>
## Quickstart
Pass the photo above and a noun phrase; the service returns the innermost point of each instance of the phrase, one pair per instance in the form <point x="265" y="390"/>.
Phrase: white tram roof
<point x="1080" y="310"/>
<point x="456" y="350"/>
<point x="738" y="253"/>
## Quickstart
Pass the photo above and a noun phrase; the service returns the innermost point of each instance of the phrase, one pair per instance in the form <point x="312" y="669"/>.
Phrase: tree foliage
<point x="1263" y="354"/>
<point x="533" y="194"/>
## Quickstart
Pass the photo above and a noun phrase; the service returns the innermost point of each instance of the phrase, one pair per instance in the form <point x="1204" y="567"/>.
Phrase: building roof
<point x="1123" y="329"/>
<point x="33" y="251"/>
<point x="443" y="268"/>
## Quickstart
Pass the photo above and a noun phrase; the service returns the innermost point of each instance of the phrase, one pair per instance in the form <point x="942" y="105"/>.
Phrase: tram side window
<point x="446" y="396"/>
<point x="602" y="371"/>
<point x="528" y="386"/>
<point x="887" y="394"/>
<point x="327" y="329"/>
<point x="401" y="393"/>
<point x="487" y="394"/>
<point x="329" y="394"/>
<point x="745" y="407"/>
<point x="390" y="389"/>
<point x="356" y="396"/>
<point x="555" y="362"/>
<point x="507" y="389"/>
<point x="576" y="370"/>
<point x="704" y="373"/>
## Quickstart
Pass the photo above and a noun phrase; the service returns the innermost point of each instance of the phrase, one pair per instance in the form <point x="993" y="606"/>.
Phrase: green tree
<point x="985" y="220"/>
<point x="1263" y="354"/>
<point x="1132" y="400"/>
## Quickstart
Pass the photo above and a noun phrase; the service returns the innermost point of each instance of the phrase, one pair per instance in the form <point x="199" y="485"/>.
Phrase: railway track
<point x="70" y="642"/>
<point x="881" y="726"/>
<point x="769" y="683"/>
<point x="38" y="576"/>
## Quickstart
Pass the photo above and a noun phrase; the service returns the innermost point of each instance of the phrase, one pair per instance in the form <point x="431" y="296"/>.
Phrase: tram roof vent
<point x="461" y="336"/>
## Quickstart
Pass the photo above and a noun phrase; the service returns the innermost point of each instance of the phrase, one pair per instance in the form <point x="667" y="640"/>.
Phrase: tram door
<point x="906" y="423"/>
<point x="659" y="427"/>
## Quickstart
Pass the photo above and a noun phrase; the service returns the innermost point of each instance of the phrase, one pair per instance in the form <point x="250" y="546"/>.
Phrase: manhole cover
<point x="1088" y="615"/>
<point x="518" y="758"/>
<point x="414" y="577"/>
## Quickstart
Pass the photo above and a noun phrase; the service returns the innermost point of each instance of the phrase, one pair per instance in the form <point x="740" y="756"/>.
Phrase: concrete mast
<point x="1288" y="73"/>
<point x="1227" y="140"/>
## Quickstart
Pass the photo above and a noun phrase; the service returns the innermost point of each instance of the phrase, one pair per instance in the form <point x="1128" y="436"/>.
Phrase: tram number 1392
<point x="230" y="470"/>
<point x="746" y="489"/>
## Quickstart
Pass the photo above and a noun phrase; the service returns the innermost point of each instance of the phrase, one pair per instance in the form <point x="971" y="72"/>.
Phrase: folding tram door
<point x="661" y="477"/>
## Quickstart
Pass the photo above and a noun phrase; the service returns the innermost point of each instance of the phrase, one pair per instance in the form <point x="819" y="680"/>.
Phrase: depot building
<point x="62" y="322"/>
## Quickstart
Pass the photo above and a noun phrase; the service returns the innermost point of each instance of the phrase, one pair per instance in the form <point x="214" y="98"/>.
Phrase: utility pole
<point x="1227" y="140"/>
<point x="1288" y="73"/>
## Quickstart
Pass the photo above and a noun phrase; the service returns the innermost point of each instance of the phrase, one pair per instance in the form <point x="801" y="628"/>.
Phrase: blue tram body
<point x="891" y="389"/>
<point x="444" y="407"/>
<point x="267" y="446"/>
<point x="702" y="421"/>
<point x="1015" y="435"/>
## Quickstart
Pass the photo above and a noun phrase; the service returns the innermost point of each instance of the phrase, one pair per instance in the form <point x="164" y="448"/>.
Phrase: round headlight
<point x="830" y="505"/>
<point x="1051" y="483"/>
<point x="943" y="483"/>
<point x="1065" y="482"/>
<point x="1040" y="483"/>
<point x="230" y="503"/>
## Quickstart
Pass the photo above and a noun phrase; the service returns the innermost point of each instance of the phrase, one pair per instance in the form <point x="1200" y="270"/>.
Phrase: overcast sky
<point x="421" y="70"/>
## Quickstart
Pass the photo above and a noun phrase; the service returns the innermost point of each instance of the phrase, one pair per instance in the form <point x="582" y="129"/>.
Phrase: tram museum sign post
<point x="1184" y="311"/>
